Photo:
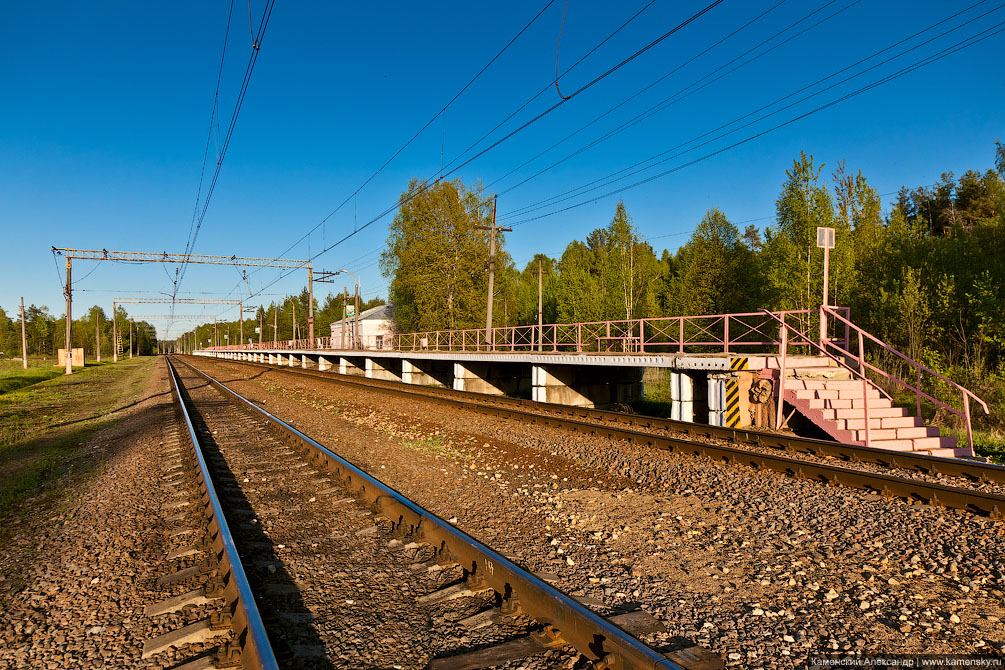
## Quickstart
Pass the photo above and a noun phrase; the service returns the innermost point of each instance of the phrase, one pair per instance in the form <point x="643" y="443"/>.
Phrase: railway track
<point x="249" y="645"/>
<point x="305" y="511"/>
<point x="858" y="467"/>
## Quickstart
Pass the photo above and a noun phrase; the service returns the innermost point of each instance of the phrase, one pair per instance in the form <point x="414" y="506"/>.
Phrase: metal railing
<point x="864" y="337"/>
<point x="746" y="332"/>
<point x="840" y="351"/>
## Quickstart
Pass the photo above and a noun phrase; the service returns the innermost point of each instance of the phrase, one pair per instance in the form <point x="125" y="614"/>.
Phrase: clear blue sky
<point x="106" y="109"/>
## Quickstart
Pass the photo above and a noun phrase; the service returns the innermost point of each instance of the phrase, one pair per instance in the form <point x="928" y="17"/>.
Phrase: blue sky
<point x="106" y="110"/>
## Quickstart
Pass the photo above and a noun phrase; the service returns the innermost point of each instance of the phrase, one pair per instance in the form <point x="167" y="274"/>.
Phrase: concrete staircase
<point x="827" y="395"/>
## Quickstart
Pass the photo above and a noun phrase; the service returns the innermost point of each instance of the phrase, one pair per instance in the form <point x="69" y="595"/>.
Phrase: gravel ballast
<point x="764" y="569"/>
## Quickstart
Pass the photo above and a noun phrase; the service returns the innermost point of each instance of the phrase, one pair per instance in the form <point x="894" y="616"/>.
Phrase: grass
<point x="44" y="424"/>
<point x="13" y="376"/>
<point x="432" y="446"/>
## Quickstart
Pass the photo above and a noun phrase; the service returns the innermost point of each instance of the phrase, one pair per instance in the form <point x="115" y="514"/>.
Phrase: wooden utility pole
<point x="97" y="337"/>
<point x="489" y="339"/>
<point x="24" y="339"/>
<point x="69" y="321"/>
<point x="115" y="335"/>
<point x="131" y="324"/>
<point x="310" y="305"/>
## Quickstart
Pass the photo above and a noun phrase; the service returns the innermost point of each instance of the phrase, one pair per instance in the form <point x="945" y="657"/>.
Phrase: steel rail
<point x="953" y="467"/>
<point x="564" y="620"/>
<point x="972" y="500"/>
<point x="251" y="648"/>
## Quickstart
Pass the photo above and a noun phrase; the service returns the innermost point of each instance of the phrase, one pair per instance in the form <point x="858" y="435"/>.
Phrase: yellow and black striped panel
<point x="738" y="363"/>
<point x="732" y="414"/>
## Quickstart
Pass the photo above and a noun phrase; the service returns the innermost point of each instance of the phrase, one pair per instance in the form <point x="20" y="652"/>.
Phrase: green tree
<point x="610" y="276"/>
<point x="579" y="296"/>
<point x="713" y="270"/>
<point x="436" y="258"/>
<point x="526" y="293"/>
<point x="793" y="263"/>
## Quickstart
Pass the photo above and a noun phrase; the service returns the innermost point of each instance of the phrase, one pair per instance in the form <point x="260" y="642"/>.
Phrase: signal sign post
<point x="825" y="241"/>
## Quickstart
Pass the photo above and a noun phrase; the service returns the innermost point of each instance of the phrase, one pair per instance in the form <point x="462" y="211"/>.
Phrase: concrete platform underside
<point x="714" y="386"/>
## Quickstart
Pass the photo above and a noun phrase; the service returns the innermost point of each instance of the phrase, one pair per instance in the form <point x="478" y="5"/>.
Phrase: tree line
<point x="46" y="333"/>
<point x="284" y="319"/>
<point x="927" y="276"/>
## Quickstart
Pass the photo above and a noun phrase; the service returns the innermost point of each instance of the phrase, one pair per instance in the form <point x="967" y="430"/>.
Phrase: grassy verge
<point x="13" y="376"/>
<point x="43" y="426"/>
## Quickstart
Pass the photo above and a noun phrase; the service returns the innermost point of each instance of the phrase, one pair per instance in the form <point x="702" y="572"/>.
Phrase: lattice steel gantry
<point x="165" y="257"/>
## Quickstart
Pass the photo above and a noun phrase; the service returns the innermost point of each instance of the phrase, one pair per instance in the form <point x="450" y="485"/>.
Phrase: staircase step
<point x="858" y="413"/>
<point x="891" y="445"/>
<point x="874" y="435"/>
<point x="845" y="384"/>
<point x="852" y="394"/>
<point x="917" y="431"/>
<point x="850" y="403"/>
<point x="913" y="444"/>
<point x="815" y="393"/>
<point x="820" y="374"/>
<point x="946" y="453"/>
<point x="887" y="422"/>
<point x="800" y="362"/>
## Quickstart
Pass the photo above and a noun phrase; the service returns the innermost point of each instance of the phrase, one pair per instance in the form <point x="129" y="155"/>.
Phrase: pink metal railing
<point x="719" y="332"/>
<point x="919" y="368"/>
<point x="838" y="349"/>
<point x="722" y="332"/>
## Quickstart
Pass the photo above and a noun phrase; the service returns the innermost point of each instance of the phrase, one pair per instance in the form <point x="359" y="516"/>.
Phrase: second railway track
<point x="968" y="485"/>
<point x="349" y="573"/>
<point x="764" y="569"/>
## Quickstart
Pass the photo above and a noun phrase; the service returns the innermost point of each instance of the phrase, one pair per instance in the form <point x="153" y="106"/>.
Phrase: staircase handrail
<point x="920" y="367"/>
<point x="816" y="345"/>
<point x="866" y="384"/>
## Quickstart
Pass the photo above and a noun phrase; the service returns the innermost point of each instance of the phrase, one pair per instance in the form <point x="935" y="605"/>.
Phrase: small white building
<point x="376" y="326"/>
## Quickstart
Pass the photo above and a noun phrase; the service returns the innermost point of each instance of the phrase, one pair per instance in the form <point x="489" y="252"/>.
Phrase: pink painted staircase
<point x="827" y="395"/>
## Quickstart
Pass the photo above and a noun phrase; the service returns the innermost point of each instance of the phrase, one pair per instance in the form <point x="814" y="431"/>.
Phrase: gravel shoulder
<point x="761" y="568"/>
<point x="88" y="567"/>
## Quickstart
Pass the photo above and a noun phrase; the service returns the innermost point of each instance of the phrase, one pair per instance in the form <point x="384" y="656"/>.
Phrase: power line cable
<point x="683" y="92"/>
<point x="548" y="85"/>
<point x="643" y="90"/>
<point x="586" y="86"/>
<point x="423" y="128"/>
<point x="190" y="246"/>
<point x="630" y="170"/>
<point x="212" y="122"/>
<point x="916" y="65"/>
<point x="963" y="44"/>
<point x="569" y="69"/>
